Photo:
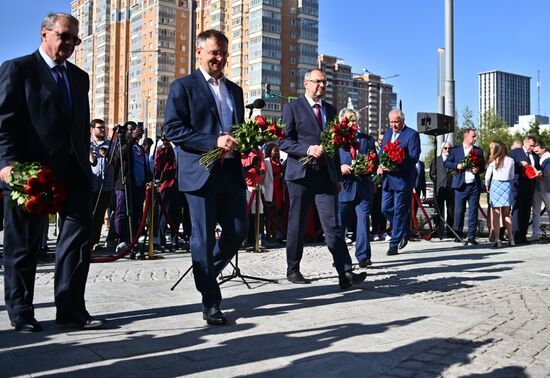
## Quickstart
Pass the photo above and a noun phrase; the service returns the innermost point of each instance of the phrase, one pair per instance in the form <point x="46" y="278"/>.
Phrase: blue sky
<point x="390" y="37"/>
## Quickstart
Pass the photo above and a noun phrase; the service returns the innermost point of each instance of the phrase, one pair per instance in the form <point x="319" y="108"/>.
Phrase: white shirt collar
<point x="49" y="61"/>
<point x="311" y="102"/>
<point x="207" y="77"/>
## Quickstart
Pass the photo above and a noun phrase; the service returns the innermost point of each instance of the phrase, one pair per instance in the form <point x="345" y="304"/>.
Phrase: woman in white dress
<point x="498" y="178"/>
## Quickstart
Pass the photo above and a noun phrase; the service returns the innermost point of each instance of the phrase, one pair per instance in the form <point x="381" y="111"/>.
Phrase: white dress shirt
<point x="504" y="173"/>
<point x="469" y="176"/>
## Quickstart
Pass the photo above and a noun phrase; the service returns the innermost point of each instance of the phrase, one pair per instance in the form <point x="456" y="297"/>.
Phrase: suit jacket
<point x="302" y="131"/>
<point x="444" y="177"/>
<point x="192" y="122"/>
<point x="420" y="180"/>
<point x="455" y="157"/>
<point x="35" y="125"/>
<point x="403" y="178"/>
<point x="521" y="183"/>
<point x="351" y="185"/>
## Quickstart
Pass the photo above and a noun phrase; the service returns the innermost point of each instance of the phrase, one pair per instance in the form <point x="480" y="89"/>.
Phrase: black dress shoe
<point x="457" y="240"/>
<point x="473" y="242"/>
<point x="403" y="243"/>
<point x="214" y="316"/>
<point x="392" y="251"/>
<point x="297" y="278"/>
<point x="349" y="279"/>
<point x="364" y="263"/>
<point x="84" y="322"/>
<point x="27" y="326"/>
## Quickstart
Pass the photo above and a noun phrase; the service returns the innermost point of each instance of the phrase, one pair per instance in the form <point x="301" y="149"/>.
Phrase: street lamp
<point x="380" y="93"/>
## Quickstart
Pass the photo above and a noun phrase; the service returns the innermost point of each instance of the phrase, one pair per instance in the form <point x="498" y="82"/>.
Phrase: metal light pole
<point x="449" y="63"/>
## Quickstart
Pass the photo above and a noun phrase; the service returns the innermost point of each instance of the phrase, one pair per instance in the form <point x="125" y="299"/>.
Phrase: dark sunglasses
<point x="66" y="37"/>
<point x="446" y="148"/>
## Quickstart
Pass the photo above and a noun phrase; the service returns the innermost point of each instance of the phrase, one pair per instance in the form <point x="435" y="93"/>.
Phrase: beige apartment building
<point x="369" y="95"/>
<point x="134" y="49"/>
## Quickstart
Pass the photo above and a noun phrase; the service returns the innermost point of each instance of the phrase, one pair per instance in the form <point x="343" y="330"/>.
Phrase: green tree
<point x="492" y="127"/>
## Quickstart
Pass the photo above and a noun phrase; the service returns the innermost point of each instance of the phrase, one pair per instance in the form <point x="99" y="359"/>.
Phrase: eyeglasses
<point x="66" y="37"/>
<point x="317" y="82"/>
<point x="446" y="148"/>
<point x="217" y="53"/>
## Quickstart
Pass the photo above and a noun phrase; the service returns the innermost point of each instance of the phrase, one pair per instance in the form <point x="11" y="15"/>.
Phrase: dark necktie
<point x="62" y="88"/>
<point x="317" y="111"/>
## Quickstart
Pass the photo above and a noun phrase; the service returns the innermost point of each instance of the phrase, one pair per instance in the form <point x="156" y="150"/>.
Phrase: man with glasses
<point x="44" y="117"/>
<point x="444" y="195"/>
<point x="200" y="110"/>
<point x="103" y="174"/>
<point x="304" y="121"/>
<point x="523" y="188"/>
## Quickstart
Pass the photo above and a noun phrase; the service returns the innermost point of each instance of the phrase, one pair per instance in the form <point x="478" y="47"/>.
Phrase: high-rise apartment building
<point x="507" y="94"/>
<point x="369" y="95"/>
<point x="134" y="49"/>
<point x="270" y="42"/>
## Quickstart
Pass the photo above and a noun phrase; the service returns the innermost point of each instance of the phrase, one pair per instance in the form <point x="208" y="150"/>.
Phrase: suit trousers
<point x="446" y="204"/>
<point x="522" y="201"/>
<point x="362" y="209"/>
<point x="22" y="237"/>
<point x="221" y="200"/>
<point x="538" y="199"/>
<point x="467" y="193"/>
<point x="396" y="206"/>
<point x="315" y="187"/>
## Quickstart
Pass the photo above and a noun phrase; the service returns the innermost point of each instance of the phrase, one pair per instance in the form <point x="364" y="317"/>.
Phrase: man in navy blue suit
<point x="523" y="189"/>
<point x="44" y="118"/>
<point x="467" y="185"/>
<point x="200" y="111"/>
<point x="304" y="120"/>
<point x="397" y="186"/>
<point x="356" y="195"/>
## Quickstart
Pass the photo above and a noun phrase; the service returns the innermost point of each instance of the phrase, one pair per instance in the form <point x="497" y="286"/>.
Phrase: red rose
<point x="272" y="128"/>
<point x="260" y="121"/>
<point x="45" y="175"/>
<point x="344" y="122"/>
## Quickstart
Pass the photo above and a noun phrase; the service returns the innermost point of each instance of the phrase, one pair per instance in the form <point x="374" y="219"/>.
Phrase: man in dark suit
<point x="304" y="120"/>
<point x="397" y="186"/>
<point x="200" y="111"/>
<point x="523" y="189"/>
<point x="443" y="193"/>
<point x="44" y="117"/>
<point x="356" y="195"/>
<point x="467" y="185"/>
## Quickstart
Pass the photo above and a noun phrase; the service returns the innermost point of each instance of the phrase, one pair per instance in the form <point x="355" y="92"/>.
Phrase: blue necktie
<point x="62" y="88"/>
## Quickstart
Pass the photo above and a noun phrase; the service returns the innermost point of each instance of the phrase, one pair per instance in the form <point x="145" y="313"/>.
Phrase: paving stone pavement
<point x="436" y="310"/>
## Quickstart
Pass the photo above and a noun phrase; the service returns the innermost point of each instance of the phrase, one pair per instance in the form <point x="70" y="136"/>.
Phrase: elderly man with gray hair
<point x="542" y="189"/>
<point x="443" y="194"/>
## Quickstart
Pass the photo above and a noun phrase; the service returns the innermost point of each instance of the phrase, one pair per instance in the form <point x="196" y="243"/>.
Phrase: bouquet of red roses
<point x="34" y="188"/>
<point x="337" y="134"/>
<point x="472" y="160"/>
<point x="392" y="157"/>
<point x="364" y="164"/>
<point x="250" y="135"/>
<point x="529" y="171"/>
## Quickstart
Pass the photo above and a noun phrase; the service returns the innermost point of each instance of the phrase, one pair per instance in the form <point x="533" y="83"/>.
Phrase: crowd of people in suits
<point x="44" y="102"/>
